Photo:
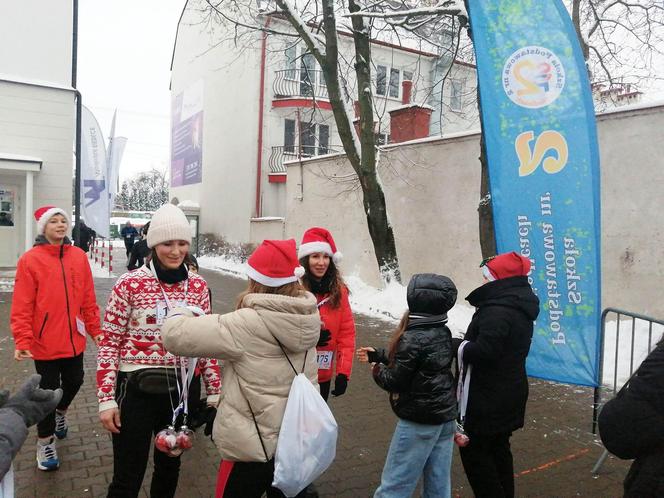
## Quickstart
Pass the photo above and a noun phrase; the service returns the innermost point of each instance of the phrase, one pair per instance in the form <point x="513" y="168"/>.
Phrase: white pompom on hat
<point x="45" y="213"/>
<point x="318" y="239"/>
<point x="274" y="263"/>
<point x="168" y="223"/>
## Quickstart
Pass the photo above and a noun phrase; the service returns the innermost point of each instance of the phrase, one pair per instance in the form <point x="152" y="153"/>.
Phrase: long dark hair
<point x="396" y="337"/>
<point x="293" y="289"/>
<point x="333" y="273"/>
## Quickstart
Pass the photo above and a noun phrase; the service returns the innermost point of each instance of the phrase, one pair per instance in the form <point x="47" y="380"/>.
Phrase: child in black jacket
<point x="416" y="372"/>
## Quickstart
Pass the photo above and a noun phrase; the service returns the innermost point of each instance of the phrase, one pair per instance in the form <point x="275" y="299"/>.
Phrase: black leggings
<point x="141" y="416"/>
<point x="65" y="373"/>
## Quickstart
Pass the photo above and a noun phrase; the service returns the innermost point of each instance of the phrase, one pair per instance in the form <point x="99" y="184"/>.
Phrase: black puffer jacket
<point x="499" y="333"/>
<point x="420" y="381"/>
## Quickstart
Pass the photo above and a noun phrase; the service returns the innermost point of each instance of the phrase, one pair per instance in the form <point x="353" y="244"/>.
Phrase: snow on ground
<point x="98" y="271"/>
<point x="387" y="304"/>
<point x="643" y="342"/>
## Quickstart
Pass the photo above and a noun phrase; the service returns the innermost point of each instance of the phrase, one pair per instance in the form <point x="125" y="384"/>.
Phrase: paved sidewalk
<point x="553" y="454"/>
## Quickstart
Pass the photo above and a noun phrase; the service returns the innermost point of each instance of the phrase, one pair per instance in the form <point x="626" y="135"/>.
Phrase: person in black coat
<point x="631" y="425"/>
<point x="493" y="381"/>
<point x="416" y="371"/>
<point x="128" y="234"/>
<point x="140" y="250"/>
<point x="86" y="237"/>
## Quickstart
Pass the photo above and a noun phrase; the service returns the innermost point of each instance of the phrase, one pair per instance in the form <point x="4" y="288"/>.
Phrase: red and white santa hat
<point x="45" y="213"/>
<point x="318" y="239"/>
<point x="509" y="264"/>
<point x="274" y="263"/>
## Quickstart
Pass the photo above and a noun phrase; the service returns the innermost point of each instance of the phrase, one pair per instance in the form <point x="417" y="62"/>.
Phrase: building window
<point x="382" y="139"/>
<point x="456" y="94"/>
<point x="390" y="87"/>
<point x="289" y="136"/>
<point x="394" y="83"/>
<point x="381" y="79"/>
<point x="291" y="64"/>
<point x="308" y="139"/>
<point x="323" y="139"/>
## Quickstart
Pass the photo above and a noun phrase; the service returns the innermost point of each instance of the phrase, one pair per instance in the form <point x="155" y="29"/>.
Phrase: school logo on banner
<point x="533" y="77"/>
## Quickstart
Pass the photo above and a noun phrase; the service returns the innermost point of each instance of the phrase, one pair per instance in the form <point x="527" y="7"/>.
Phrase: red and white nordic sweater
<point x="131" y="330"/>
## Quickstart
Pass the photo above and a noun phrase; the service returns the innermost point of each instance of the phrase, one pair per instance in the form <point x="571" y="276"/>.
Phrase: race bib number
<point x="162" y="309"/>
<point x="324" y="359"/>
<point x="80" y="326"/>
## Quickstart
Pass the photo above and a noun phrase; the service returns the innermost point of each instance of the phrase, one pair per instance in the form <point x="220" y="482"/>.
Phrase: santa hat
<point x="45" y="213"/>
<point x="274" y="263"/>
<point x="509" y="264"/>
<point x="318" y="239"/>
<point x="168" y="223"/>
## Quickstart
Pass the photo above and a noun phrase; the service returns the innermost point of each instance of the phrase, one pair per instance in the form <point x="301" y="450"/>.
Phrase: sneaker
<point x="61" y="426"/>
<point x="47" y="456"/>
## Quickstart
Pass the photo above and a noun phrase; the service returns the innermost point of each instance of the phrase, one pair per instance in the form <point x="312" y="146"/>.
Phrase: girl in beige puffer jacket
<point x="275" y="317"/>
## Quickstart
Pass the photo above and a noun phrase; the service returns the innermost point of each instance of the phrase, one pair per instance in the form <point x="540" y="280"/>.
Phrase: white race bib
<point x="80" y="326"/>
<point x="162" y="309"/>
<point x="324" y="359"/>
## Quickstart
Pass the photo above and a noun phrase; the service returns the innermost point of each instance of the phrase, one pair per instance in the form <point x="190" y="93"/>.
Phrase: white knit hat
<point x="45" y="213"/>
<point x="168" y="223"/>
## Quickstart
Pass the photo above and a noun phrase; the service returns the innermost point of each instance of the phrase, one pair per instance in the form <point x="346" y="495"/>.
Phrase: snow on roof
<point x="632" y="107"/>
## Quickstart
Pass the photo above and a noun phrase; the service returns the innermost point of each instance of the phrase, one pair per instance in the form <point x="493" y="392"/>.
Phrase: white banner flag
<point x="116" y="146"/>
<point x="94" y="189"/>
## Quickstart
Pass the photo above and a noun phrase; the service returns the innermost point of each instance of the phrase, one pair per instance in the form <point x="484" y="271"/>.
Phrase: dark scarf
<point x="321" y="286"/>
<point x="171" y="276"/>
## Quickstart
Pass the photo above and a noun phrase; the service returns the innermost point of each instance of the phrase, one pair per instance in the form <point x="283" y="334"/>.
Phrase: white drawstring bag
<point x="307" y="441"/>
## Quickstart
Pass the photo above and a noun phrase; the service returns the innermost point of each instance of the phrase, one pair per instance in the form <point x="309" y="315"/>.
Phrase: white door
<point x="9" y="225"/>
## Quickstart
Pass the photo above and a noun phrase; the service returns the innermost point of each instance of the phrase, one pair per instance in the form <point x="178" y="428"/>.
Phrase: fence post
<point x="110" y="258"/>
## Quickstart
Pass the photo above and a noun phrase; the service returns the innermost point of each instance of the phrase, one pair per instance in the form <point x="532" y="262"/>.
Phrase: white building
<point x="37" y="117"/>
<point x="241" y="111"/>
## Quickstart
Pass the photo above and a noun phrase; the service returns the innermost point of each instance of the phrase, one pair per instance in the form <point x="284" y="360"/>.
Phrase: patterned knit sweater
<point x="131" y="329"/>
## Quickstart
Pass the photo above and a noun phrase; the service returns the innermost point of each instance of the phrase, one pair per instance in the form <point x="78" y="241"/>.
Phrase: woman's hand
<point x="362" y="354"/>
<point x="98" y="338"/>
<point x="22" y="354"/>
<point x="110" y="419"/>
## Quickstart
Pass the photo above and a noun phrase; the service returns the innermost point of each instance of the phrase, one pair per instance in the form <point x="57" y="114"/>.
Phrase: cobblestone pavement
<point x="553" y="455"/>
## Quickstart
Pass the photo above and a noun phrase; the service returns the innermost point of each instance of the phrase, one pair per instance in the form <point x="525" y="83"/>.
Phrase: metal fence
<point x="630" y="329"/>
<point x="309" y="83"/>
<point x="282" y="153"/>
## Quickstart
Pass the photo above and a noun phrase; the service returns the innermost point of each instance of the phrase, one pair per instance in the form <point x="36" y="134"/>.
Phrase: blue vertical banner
<point x="543" y="160"/>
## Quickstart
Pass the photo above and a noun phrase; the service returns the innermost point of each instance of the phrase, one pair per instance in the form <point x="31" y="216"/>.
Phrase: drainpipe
<point x="79" y="104"/>
<point x="261" y="105"/>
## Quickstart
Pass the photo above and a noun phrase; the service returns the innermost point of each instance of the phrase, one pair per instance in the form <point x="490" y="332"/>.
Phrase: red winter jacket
<point x="53" y="288"/>
<point x="339" y="321"/>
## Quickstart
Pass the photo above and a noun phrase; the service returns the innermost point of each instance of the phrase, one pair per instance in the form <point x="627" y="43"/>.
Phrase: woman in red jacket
<point x="319" y="256"/>
<point x="54" y="308"/>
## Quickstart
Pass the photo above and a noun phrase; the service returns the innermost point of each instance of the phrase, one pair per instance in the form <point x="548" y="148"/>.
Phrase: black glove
<point x="33" y="403"/>
<point x="324" y="338"/>
<point x="373" y="356"/>
<point x="210" y="414"/>
<point x="340" y="385"/>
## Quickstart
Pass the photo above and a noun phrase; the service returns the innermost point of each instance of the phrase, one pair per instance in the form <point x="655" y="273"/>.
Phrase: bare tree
<point x="317" y="24"/>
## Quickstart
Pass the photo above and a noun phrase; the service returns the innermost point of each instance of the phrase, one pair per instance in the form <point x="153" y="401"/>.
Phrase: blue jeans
<point x="418" y="450"/>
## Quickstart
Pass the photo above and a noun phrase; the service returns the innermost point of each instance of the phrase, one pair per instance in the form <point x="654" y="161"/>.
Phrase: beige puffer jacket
<point x="255" y="369"/>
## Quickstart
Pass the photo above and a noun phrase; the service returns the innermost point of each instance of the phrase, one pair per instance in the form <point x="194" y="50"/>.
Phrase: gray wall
<point x="432" y="189"/>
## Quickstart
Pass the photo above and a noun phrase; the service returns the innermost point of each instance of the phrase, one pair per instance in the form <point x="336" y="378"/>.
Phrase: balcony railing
<point x="282" y="153"/>
<point x="300" y="83"/>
